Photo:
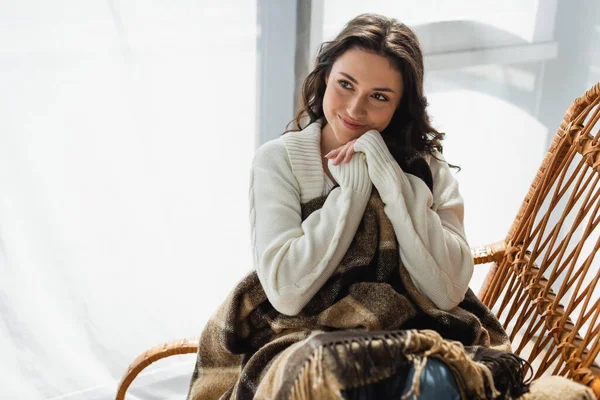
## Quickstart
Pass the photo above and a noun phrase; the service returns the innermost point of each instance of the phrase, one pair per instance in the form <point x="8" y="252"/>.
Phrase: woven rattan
<point x="543" y="285"/>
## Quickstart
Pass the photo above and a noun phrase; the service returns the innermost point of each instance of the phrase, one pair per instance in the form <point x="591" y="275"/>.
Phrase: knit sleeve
<point x="429" y="226"/>
<point x="294" y="258"/>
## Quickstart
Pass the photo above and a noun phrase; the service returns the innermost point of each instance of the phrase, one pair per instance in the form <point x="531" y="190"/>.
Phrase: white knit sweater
<point x="294" y="258"/>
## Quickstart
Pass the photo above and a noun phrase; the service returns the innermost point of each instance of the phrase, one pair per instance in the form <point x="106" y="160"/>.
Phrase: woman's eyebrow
<point x="355" y="81"/>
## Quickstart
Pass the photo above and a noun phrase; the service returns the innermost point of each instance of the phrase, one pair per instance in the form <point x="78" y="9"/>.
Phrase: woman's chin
<point x="347" y="136"/>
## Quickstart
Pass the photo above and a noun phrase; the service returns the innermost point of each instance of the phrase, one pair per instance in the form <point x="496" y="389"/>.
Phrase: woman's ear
<point x="326" y="79"/>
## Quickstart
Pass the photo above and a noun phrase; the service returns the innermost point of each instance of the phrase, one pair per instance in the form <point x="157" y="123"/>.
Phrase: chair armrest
<point x="488" y="253"/>
<point x="174" y="347"/>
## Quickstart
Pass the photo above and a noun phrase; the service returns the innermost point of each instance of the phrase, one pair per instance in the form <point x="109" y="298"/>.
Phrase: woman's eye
<point x="381" y="97"/>
<point x="345" y="84"/>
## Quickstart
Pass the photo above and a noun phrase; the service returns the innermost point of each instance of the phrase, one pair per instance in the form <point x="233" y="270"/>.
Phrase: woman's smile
<point x="350" y="125"/>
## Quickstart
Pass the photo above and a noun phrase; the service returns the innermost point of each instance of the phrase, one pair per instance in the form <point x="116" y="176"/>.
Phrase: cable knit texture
<point x="433" y="245"/>
<point x="294" y="258"/>
<point x="383" y="168"/>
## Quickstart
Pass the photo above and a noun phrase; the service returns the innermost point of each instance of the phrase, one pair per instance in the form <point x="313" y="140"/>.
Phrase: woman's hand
<point x="352" y="175"/>
<point x="384" y="171"/>
<point x="342" y="154"/>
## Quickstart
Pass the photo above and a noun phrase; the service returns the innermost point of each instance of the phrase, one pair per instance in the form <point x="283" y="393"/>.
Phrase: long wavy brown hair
<point x="410" y="126"/>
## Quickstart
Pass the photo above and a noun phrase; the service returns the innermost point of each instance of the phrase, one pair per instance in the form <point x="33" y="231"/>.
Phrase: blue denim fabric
<point x="437" y="382"/>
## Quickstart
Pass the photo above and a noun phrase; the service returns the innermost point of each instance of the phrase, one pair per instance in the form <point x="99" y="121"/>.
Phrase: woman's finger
<point x="351" y="144"/>
<point x="333" y="153"/>
<point x="349" y="154"/>
<point x="349" y="150"/>
<point x="340" y="156"/>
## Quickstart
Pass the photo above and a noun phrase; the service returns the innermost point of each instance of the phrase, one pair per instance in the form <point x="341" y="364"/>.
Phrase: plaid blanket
<point x="367" y="323"/>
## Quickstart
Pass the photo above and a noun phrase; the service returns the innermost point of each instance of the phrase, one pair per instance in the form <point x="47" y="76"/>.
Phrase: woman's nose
<point x="356" y="109"/>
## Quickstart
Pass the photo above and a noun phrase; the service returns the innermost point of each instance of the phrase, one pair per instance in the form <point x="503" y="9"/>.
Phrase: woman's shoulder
<point x="435" y="159"/>
<point x="272" y="162"/>
<point x="271" y="152"/>
<point x="285" y="146"/>
<point x="445" y="184"/>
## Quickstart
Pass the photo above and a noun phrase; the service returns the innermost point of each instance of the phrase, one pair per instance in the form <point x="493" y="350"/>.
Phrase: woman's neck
<point x="328" y="139"/>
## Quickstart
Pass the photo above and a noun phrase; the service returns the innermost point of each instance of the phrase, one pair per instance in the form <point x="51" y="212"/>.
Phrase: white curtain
<point x="126" y="138"/>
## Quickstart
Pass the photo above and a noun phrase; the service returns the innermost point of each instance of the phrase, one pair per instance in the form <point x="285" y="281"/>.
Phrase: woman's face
<point x="362" y="92"/>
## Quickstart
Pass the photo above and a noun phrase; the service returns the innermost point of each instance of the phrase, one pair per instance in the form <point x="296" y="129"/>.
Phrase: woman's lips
<point x="348" y="124"/>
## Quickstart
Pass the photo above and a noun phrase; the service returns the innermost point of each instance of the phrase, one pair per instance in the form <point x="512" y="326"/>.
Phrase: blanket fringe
<point x="415" y="387"/>
<point x="454" y="356"/>
<point x="315" y="382"/>
<point x="311" y="382"/>
<point x="515" y="383"/>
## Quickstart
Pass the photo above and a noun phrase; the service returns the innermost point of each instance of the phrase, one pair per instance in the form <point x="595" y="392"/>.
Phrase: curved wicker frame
<point x="184" y="346"/>
<point x="543" y="288"/>
<point x="541" y="284"/>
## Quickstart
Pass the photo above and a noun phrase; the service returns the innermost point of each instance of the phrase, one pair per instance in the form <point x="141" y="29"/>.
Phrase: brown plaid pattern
<point x="367" y="322"/>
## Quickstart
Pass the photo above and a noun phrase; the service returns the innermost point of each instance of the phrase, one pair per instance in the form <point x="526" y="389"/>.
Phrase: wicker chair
<point x="542" y="282"/>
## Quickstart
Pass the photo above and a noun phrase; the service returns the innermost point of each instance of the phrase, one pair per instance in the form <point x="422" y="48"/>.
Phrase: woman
<point x="362" y="103"/>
